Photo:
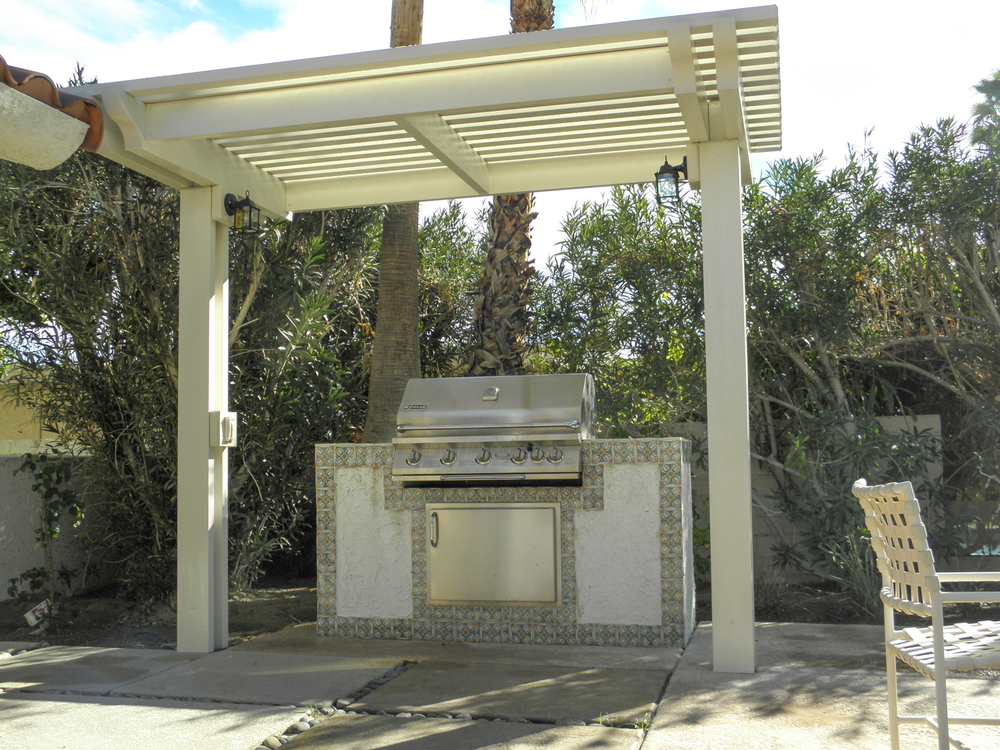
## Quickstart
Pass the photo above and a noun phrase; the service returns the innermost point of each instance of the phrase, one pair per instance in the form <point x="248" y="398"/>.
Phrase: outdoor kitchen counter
<point x="625" y="553"/>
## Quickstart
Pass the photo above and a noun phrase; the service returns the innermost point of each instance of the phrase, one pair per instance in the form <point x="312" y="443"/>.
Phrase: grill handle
<point x="573" y="424"/>
<point x="481" y="477"/>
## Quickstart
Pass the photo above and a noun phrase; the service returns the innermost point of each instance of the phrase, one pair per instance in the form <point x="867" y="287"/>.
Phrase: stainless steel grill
<point x="503" y="429"/>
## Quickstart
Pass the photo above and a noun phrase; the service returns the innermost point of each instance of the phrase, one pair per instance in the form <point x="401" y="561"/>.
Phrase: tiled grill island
<point x="625" y="548"/>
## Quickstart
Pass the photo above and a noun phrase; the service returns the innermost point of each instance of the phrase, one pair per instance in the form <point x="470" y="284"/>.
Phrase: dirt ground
<point x="101" y="619"/>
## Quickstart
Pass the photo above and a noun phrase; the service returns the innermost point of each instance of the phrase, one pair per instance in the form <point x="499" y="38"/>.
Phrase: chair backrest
<point x="899" y="538"/>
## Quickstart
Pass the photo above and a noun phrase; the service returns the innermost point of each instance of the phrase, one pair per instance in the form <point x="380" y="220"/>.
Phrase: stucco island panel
<point x="618" y="550"/>
<point x="625" y="551"/>
<point x="373" y="550"/>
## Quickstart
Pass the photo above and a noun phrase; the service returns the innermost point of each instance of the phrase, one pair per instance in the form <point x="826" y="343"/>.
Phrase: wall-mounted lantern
<point x="245" y="213"/>
<point x="668" y="181"/>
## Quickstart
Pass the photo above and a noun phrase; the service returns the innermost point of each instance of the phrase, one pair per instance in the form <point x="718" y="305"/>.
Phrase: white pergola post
<point x="202" y="471"/>
<point x="730" y="514"/>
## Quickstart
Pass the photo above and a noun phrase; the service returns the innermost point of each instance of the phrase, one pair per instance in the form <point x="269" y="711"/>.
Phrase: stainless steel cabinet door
<point x="493" y="553"/>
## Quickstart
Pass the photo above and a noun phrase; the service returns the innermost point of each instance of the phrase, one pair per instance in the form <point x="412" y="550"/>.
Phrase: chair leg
<point x="890" y="673"/>
<point x="940" y="680"/>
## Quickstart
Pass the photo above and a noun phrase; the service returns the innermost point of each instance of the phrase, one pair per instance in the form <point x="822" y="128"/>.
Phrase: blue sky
<point x="846" y="67"/>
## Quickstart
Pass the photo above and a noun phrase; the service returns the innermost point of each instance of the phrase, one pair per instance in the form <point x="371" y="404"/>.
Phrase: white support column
<point x="728" y="408"/>
<point x="202" y="471"/>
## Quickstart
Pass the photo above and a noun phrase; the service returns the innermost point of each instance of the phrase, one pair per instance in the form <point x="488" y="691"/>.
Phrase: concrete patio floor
<point x="816" y="685"/>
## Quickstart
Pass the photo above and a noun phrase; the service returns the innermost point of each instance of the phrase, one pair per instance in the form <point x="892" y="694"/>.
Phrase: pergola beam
<point x="438" y="137"/>
<point x="513" y="83"/>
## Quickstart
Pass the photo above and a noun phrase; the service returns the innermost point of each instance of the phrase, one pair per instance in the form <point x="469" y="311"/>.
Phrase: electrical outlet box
<point x="222" y="428"/>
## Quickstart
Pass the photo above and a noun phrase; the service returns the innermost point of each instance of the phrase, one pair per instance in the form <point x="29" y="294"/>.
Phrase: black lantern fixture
<point x="245" y="213"/>
<point x="668" y="181"/>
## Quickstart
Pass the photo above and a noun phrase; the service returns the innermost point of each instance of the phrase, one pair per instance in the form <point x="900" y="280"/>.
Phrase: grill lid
<point x="464" y="406"/>
<point x="507" y="428"/>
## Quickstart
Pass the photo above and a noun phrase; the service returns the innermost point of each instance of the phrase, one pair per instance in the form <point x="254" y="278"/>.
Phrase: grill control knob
<point x="520" y="456"/>
<point x="449" y="457"/>
<point x="538" y="455"/>
<point x="483" y="457"/>
<point x="414" y="458"/>
<point x="555" y="456"/>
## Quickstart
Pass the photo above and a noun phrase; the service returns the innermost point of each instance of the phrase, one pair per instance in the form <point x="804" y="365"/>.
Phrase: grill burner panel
<point x="508" y="429"/>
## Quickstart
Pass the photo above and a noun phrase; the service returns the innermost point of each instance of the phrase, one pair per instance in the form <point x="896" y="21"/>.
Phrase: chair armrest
<point x="970" y="577"/>
<point x="979" y="597"/>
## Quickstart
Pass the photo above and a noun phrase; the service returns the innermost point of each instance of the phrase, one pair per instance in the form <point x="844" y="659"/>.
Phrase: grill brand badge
<point x="415" y="407"/>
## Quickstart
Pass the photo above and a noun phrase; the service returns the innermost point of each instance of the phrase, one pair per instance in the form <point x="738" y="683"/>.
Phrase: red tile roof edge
<point x="41" y="87"/>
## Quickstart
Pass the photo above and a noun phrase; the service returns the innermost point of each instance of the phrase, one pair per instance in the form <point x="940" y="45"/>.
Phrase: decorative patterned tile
<point x="543" y="615"/>
<point x="628" y="635"/>
<point x="646" y="451"/>
<point x="421" y="629"/>
<point x="325" y="626"/>
<point x="413" y="499"/>
<point x="324" y="456"/>
<point x="325" y="497"/>
<point x="326" y="477"/>
<point x="494" y="632"/>
<point x="522" y="614"/>
<point x="344" y="456"/>
<point x="468" y="612"/>
<point x="521" y="632"/>
<point x="565" y="613"/>
<point x="605" y="635"/>
<point x="402" y="629"/>
<point x="597" y="452"/>
<point x="383" y="455"/>
<point x="565" y="635"/>
<point x="673" y="635"/>
<point x="671" y="450"/>
<point x="673" y="611"/>
<point x="585" y="634"/>
<point x="444" y="630"/>
<point x="670" y="520"/>
<point x="543" y="634"/>
<point x="592" y="499"/>
<point x="671" y="497"/>
<point x="495" y="613"/>
<point x="394" y="499"/>
<point x="442" y="612"/>
<point x="365" y="455"/>
<point x="670" y="474"/>
<point x="623" y="451"/>
<point x="593" y="475"/>
<point x="671" y="567"/>
<point x="649" y="635"/>
<point x="670" y="544"/>
<point x="421" y="609"/>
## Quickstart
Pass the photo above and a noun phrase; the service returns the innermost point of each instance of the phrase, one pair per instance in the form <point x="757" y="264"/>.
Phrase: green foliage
<point x="623" y="301"/>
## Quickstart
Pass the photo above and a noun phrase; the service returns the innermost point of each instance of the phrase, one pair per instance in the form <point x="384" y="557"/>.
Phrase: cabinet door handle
<point x="434" y="529"/>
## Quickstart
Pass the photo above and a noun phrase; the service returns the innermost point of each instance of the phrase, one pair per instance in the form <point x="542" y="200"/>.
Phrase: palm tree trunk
<point x="501" y="317"/>
<point x="396" y="350"/>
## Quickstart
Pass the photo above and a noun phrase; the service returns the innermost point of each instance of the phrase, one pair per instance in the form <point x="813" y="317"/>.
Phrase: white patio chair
<point x="912" y="586"/>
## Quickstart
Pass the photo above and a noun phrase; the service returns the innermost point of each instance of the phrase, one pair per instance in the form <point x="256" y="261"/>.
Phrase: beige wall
<point x="20" y="423"/>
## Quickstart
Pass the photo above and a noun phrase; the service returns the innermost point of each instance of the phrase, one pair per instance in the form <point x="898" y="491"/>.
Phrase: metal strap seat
<point x="911" y="585"/>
